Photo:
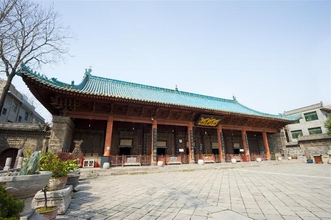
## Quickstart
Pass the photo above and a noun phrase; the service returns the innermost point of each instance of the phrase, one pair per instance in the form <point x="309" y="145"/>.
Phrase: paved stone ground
<point x="269" y="190"/>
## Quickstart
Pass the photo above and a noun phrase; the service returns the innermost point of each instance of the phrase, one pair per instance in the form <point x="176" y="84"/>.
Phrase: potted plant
<point x="58" y="194"/>
<point x="48" y="212"/>
<point x="74" y="173"/>
<point x="51" y="162"/>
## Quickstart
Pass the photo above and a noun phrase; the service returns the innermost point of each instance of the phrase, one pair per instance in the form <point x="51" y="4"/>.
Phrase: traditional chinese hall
<point x="126" y="123"/>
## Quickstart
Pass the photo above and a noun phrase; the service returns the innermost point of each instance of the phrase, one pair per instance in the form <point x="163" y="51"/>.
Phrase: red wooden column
<point x="266" y="145"/>
<point x="154" y="143"/>
<point x="220" y="143"/>
<point x="109" y="134"/>
<point x="190" y="143"/>
<point x="245" y="144"/>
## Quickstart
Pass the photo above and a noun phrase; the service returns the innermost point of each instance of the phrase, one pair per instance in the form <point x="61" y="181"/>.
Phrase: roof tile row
<point x="95" y="85"/>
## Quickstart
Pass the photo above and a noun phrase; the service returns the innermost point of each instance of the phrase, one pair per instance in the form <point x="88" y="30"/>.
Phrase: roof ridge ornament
<point x="88" y="71"/>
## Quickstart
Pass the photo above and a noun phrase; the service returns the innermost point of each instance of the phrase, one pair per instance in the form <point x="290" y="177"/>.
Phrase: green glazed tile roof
<point x="95" y="85"/>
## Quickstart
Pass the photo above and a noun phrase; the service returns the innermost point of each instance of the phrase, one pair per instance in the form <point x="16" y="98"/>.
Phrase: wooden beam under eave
<point x="247" y="128"/>
<point x="146" y="120"/>
<point x="173" y="122"/>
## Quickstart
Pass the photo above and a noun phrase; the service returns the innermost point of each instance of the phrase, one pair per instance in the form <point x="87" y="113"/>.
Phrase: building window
<point x="26" y="116"/>
<point x="15" y="106"/>
<point x="4" y="111"/>
<point x="296" y="134"/>
<point x="315" y="130"/>
<point x="19" y="118"/>
<point x="311" y="116"/>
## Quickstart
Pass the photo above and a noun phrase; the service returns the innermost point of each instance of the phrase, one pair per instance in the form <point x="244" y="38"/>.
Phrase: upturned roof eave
<point x="75" y="92"/>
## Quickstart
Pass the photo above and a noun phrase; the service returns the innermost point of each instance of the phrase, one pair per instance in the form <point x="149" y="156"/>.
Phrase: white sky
<point x="273" y="56"/>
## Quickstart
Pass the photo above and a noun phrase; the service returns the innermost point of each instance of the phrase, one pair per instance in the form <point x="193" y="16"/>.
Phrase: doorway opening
<point x="125" y="151"/>
<point x="161" y="151"/>
<point x="215" y="151"/>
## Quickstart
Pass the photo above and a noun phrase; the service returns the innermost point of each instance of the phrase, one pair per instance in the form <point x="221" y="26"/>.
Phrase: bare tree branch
<point x="29" y="34"/>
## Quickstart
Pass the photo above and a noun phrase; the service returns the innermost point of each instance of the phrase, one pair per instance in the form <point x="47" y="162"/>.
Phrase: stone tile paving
<point x="279" y="191"/>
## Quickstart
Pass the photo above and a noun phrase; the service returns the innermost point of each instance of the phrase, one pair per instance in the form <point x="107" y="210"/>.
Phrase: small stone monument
<point x="77" y="152"/>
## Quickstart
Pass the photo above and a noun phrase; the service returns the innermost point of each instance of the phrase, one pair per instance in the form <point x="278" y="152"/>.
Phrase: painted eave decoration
<point x="208" y="120"/>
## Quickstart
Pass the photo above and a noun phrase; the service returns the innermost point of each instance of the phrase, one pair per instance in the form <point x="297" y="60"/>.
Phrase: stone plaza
<point x="266" y="190"/>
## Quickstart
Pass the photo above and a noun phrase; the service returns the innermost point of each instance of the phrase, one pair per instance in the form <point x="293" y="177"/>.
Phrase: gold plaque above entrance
<point x="208" y="120"/>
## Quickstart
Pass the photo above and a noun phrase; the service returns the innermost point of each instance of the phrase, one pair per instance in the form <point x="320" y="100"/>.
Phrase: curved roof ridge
<point x="83" y="82"/>
<point x="42" y="77"/>
<point x="88" y="75"/>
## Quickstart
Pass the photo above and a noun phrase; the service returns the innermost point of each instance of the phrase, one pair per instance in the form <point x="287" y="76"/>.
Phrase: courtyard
<point x="266" y="190"/>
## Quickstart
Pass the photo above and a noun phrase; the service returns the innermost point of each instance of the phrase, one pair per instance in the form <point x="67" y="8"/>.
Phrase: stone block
<point x="60" y="198"/>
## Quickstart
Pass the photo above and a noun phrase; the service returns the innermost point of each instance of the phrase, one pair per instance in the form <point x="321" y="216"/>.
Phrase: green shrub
<point x="51" y="162"/>
<point x="10" y="208"/>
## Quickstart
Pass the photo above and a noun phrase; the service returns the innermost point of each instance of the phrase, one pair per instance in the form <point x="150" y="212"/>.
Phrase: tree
<point x="7" y="6"/>
<point x="328" y="124"/>
<point x="29" y="34"/>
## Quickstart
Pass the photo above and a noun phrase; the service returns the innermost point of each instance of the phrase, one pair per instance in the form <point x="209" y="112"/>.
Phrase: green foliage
<point x="328" y="124"/>
<point x="51" y="162"/>
<point x="10" y="208"/>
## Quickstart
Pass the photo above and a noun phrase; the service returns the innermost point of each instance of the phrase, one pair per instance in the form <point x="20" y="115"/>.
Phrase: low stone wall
<point x="316" y="144"/>
<point x="21" y="137"/>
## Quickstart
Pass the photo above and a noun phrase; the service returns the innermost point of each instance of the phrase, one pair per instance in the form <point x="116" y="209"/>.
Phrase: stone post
<point x="8" y="163"/>
<point x="19" y="154"/>
<point x="19" y="163"/>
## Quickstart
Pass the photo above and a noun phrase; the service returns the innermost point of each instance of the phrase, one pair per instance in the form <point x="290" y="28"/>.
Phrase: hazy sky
<point x="273" y="56"/>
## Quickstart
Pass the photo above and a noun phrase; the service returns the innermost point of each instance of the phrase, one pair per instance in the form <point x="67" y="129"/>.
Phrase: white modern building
<point x="309" y="131"/>
<point x="17" y="107"/>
